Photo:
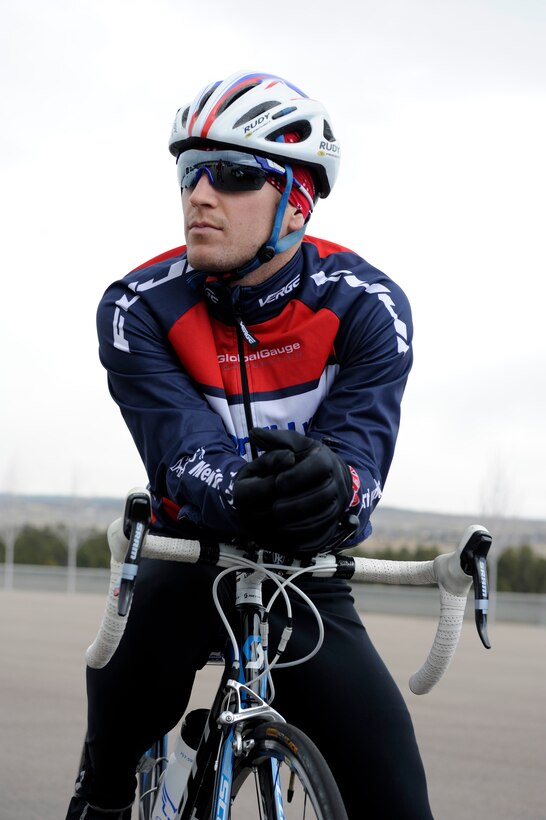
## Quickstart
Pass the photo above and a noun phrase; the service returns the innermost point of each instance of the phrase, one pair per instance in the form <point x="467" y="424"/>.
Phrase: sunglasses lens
<point x="226" y="176"/>
<point x="231" y="171"/>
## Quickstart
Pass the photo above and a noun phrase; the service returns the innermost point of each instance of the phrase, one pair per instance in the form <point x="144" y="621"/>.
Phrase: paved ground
<point x="482" y="731"/>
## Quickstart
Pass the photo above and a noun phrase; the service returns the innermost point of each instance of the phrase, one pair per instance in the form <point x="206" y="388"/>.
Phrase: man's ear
<point x="296" y="221"/>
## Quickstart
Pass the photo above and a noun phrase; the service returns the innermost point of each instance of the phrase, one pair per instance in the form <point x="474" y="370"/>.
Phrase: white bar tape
<point x="451" y="606"/>
<point x="171" y="549"/>
<point x="112" y="626"/>
<point x="445" y="570"/>
<point x="394" y="572"/>
<point x="452" y="609"/>
<point x="453" y="584"/>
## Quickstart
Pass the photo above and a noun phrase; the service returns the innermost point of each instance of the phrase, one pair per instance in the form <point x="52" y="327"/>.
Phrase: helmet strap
<point x="274" y="245"/>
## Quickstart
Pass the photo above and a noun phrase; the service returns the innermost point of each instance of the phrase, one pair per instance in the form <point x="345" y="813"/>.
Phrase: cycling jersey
<point x="322" y="347"/>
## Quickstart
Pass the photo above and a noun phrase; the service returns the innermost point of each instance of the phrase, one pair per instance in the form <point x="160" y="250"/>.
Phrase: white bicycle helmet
<point x="252" y="111"/>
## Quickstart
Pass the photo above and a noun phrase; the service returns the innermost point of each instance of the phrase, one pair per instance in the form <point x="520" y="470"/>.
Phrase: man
<point x="260" y="373"/>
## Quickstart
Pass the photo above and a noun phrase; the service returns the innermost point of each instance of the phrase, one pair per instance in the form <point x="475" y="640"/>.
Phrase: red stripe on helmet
<point x="249" y="80"/>
<point x="191" y="123"/>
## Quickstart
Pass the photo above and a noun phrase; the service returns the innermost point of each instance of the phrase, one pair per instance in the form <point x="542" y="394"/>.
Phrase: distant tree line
<point x="520" y="569"/>
<point x="46" y="546"/>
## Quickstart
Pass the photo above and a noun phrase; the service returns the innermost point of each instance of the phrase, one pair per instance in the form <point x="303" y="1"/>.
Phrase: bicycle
<point x="243" y="735"/>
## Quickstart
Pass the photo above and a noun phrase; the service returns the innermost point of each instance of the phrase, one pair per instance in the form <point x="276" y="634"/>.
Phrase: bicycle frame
<point x="241" y="697"/>
<point x="248" y="695"/>
<point x="242" y="694"/>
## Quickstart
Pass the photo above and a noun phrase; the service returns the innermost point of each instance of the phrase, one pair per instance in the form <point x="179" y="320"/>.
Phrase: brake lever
<point x="474" y="563"/>
<point x="137" y="518"/>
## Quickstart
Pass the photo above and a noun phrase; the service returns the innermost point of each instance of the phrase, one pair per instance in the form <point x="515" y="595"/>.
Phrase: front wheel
<point x="281" y="775"/>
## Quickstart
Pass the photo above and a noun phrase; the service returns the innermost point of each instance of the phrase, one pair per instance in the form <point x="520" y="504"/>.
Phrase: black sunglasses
<point x="231" y="171"/>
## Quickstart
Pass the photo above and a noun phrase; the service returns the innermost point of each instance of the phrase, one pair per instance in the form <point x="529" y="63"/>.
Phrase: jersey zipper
<point x="243" y="334"/>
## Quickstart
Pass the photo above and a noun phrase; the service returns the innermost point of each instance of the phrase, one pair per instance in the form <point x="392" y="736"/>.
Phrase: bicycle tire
<point x="316" y="795"/>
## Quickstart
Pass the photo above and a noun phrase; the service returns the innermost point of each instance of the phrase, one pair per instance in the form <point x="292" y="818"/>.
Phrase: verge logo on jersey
<point x="278" y="294"/>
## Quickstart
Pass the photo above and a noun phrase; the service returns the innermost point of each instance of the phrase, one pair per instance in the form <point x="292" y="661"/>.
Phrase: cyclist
<point x="260" y="372"/>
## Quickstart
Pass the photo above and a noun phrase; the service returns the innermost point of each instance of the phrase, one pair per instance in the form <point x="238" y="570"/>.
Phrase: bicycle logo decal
<point x="254" y="652"/>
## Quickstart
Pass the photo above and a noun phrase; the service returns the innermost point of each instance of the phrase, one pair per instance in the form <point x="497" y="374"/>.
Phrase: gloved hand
<point x="292" y="497"/>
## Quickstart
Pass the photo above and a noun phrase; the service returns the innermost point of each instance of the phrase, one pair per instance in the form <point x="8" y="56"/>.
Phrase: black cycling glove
<point x="293" y="496"/>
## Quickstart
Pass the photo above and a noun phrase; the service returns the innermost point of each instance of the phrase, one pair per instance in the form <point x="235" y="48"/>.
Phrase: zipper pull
<point x="247" y="335"/>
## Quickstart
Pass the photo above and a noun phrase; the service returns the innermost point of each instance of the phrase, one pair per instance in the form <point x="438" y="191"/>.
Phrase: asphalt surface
<point x="482" y="731"/>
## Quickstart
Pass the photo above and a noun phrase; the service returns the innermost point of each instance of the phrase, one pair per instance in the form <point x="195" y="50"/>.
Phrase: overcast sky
<point x="440" y="108"/>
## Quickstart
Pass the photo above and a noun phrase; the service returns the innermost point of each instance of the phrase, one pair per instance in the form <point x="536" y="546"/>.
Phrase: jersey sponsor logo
<point x="204" y="472"/>
<point x="382" y="293"/>
<point x="174" y="271"/>
<point x="182" y="464"/>
<point x="266" y="353"/>
<point x="278" y="294"/>
<point x="124" y="303"/>
<point x="241" y="443"/>
<point x="197" y="467"/>
<point x="371" y="495"/>
<point x="120" y="342"/>
<point x="211" y="296"/>
<point x="228" y="492"/>
<point x="250" y="339"/>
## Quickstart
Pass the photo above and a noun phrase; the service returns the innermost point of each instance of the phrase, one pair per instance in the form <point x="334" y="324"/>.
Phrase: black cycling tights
<point x="344" y="698"/>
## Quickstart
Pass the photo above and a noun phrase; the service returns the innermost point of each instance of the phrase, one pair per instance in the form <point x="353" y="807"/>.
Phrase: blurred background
<point x="440" y="111"/>
<point x="439" y="108"/>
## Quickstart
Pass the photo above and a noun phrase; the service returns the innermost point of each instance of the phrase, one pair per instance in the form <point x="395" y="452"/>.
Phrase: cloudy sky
<point x="440" y="109"/>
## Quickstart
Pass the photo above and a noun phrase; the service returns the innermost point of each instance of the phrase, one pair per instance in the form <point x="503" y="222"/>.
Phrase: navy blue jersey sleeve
<point x="360" y="416"/>
<point x="189" y="457"/>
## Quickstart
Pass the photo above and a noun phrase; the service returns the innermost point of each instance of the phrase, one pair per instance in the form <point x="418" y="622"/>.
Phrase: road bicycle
<point x="247" y="751"/>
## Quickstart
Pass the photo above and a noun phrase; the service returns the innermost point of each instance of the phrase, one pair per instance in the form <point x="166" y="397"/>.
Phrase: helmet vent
<point x="328" y="133"/>
<point x="284" y="112"/>
<point x="255" y="112"/>
<point x="235" y="96"/>
<point x="302" y="128"/>
<point x="184" y="118"/>
<point x="206" y="97"/>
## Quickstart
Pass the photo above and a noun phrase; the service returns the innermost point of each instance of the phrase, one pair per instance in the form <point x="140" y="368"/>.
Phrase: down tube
<point x="223" y="783"/>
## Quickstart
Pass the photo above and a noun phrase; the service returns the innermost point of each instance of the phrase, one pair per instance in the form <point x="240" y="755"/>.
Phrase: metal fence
<point x="393" y="600"/>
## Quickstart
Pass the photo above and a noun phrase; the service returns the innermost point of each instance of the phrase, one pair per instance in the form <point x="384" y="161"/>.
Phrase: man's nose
<point x="203" y="190"/>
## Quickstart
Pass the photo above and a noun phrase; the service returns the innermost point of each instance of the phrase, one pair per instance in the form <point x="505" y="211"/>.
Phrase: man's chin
<point x="210" y="261"/>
